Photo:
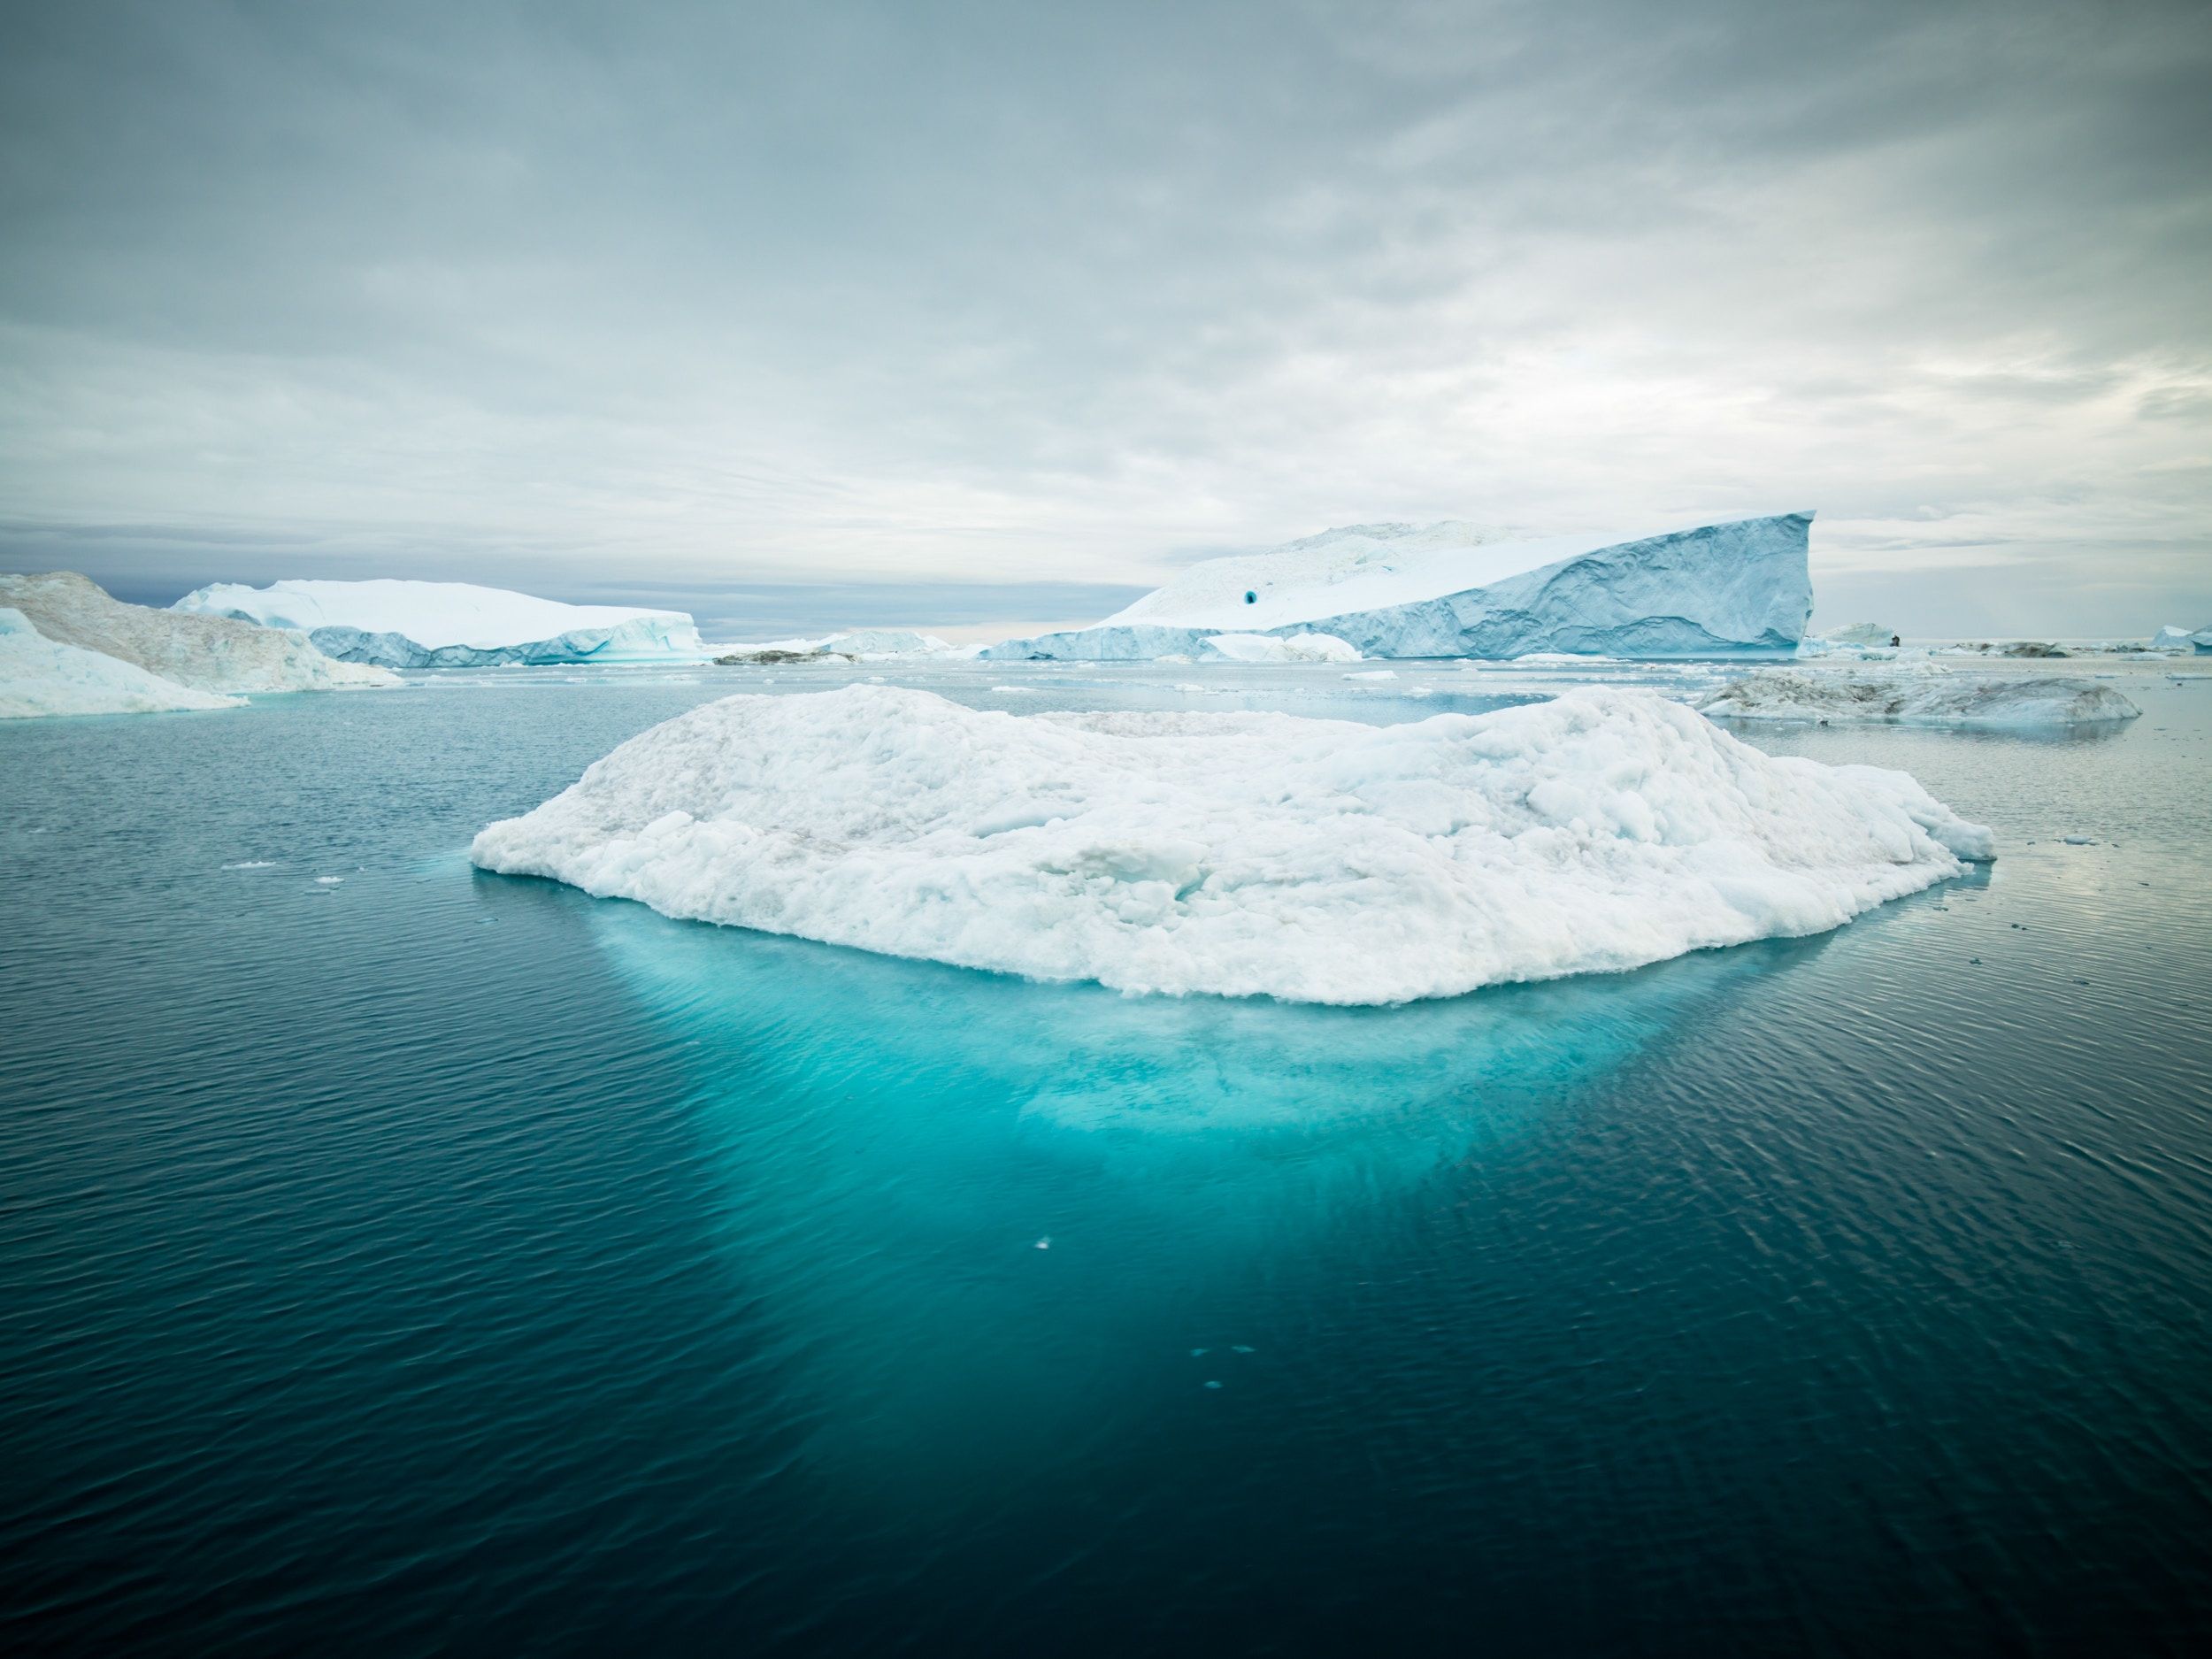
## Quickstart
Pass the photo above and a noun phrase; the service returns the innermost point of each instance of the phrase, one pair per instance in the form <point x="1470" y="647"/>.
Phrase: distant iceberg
<point x="1927" y="697"/>
<point x="43" y="677"/>
<point x="860" y="645"/>
<point x="1239" y="854"/>
<point x="1444" y="590"/>
<point x="452" y="625"/>
<point x="2173" y="639"/>
<point x="206" y="653"/>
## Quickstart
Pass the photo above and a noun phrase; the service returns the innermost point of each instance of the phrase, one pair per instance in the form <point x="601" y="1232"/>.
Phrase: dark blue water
<point x="439" y="1262"/>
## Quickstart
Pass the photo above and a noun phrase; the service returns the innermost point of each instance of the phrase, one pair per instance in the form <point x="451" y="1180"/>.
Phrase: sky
<point x="991" y="316"/>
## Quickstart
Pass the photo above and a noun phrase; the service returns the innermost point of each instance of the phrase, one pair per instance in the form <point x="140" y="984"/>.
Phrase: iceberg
<point x="40" y="677"/>
<point x="206" y="653"/>
<point x="861" y="645"/>
<point x="2173" y="639"/>
<point x="1443" y="590"/>
<point x="1266" y="647"/>
<point x="1929" y="697"/>
<point x="1236" y="854"/>
<point x="451" y="624"/>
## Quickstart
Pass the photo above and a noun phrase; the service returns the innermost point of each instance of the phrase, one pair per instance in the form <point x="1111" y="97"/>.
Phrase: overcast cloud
<point x="1001" y="311"/>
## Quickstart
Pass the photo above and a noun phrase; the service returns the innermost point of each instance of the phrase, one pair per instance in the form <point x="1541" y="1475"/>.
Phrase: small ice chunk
<point x="1044" y="1243"/>
<point x="328" y="881"/>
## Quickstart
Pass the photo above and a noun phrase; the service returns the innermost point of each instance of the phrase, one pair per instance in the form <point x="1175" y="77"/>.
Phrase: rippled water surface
<point x="426" y="1260"/>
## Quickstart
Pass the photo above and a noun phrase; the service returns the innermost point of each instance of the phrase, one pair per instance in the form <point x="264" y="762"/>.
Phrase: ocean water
<point x="424" y="1261"/>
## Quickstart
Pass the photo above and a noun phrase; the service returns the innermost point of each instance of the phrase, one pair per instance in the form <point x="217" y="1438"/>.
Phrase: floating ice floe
<point x="1237" y="853"/>
<point x="40" y="677"/>
<point x="452" y="625"/>
<point x="204" y="652"/>
<point x="1926" y="696"/>
<point x="1452" y="590"/>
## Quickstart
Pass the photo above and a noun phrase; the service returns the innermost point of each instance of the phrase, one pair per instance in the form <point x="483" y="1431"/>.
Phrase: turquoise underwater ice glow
<point x="442" y="1259"/>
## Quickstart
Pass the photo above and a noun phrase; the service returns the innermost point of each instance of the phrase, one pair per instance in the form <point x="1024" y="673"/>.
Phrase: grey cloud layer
<point x="1022" y="295"/>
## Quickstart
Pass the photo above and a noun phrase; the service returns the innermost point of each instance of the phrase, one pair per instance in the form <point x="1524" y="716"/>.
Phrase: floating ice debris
<point x="1200" y="1353"/>
<point x="328" y="881"/>
<point x="1213" y="1385"/>
<point x="1044" y="1243"/>
<point x="1927" y="695"/>
<point x="254" y="864"/>
<point x="2078" y="841"/>
<point x="1237" y="853"/>
<point x="1374" y="674"/>
<point x="1238" y="1347"/>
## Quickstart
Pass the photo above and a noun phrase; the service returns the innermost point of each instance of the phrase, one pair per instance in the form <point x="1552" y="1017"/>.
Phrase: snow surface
<point x="206" y="653"/>
<point x="1240" y="854"/>
<point x="1450" y="590"/>
<point x="1926" y="696"/>
<point x="451" y="624"/>
<point x="39" y="677"/>
<point x="1265" y="647"/>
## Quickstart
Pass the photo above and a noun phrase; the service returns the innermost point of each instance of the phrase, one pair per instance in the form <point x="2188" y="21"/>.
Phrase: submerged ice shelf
<point x="1237" y="854"/>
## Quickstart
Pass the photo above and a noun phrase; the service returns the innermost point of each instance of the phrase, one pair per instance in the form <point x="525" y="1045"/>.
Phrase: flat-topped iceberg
<point x="1237" y="853"/>
<point x="41" y="676"/>
<point x="452" y="625"/>
<point x="204" y="652"/>
<point x="1925" y="696"/>
<point x="1445" y="590"/>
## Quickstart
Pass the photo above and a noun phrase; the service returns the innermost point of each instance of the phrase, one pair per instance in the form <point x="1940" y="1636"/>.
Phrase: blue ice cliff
<point x="1739" y="587"/>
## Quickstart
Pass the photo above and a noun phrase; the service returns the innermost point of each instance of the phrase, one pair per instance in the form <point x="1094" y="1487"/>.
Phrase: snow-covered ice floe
<point x="1240" y="854"/>
<point x="39" y="676"/>
<point x="205" y="653"/>
<point x="1928" y="696"/>
<point x="452" y="625"/>
<point x="1445" y="590"/>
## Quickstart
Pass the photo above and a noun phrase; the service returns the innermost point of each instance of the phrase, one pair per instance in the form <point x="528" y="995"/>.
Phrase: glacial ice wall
<point x="208" y="653"/>
<point x="1400" y="590"/>
<point x="43" y="677"/>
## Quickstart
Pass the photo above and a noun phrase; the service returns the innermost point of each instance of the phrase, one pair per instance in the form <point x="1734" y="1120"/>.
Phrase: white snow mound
<point x="207" y="653"/>
<point x="1927" y="697"/>
<point x="39" y="677"/>
<point x="1237" y="854"/>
